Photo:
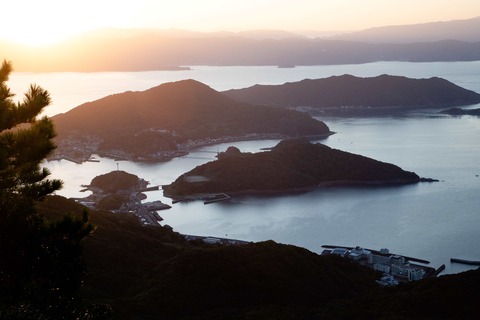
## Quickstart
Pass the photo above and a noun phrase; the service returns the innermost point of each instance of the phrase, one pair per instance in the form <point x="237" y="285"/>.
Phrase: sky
<point x="44" y="22"/>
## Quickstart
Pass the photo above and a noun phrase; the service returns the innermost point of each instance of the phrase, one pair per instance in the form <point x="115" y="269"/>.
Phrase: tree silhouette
<point x="41" y="266"/>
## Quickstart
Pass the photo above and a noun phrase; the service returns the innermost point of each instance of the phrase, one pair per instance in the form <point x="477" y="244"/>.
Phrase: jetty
<point x="146" y="189"/>
<point x="215" y="198"/>
<point x="207" y="199"/>
<point x="463" y="261"/>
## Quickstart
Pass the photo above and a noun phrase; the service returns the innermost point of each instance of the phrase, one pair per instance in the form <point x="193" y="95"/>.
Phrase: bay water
<point x="432" y="221"/>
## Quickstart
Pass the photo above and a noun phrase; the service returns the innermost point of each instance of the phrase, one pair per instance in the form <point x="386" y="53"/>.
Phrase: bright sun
<point x="41" y="23"/>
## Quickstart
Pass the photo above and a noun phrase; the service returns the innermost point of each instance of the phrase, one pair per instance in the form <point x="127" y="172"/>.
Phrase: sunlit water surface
<point x="433" y="221"/>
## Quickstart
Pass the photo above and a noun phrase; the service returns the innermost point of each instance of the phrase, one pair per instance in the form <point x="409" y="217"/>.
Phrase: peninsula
<point x="168" y="120"/>
<point x="292" y="165"/>
<point x="347" y="94"/>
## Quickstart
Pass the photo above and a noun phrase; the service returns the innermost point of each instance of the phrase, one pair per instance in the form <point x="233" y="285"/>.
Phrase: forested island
<point x="168" y="120"/>
<point x="292" y="165"/>
<point x="122" y="192"/>
<point x="347" y="94"/>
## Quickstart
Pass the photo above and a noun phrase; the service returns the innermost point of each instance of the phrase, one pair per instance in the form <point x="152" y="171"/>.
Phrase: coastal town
<point x="124" y="199"/>
<point x="80" y="148"/>
<point x="395" y="268"/>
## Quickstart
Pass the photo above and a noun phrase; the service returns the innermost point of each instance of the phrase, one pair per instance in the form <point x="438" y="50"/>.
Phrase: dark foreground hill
<point x="167" y="120"/>
<point x="339" y="94"/>
<point x="153" y="273"/>
<point x="294" y="164"/>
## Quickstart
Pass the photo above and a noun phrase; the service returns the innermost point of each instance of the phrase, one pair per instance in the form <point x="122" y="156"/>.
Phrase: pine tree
<point x="41" y="265"/>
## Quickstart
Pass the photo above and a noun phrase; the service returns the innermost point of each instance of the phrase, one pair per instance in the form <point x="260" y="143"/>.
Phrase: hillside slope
<point x="291" y="165"/>
<point x="355" y="92"/>
<point x="462" y="30"/>
<point x="169" y="119"/>
<point x="152" y="273"/>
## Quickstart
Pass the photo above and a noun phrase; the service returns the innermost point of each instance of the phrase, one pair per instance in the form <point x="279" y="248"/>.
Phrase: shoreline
<point x="180" y="152"/>
<point x="322" y="185"/>
<point x="266" y="137"/>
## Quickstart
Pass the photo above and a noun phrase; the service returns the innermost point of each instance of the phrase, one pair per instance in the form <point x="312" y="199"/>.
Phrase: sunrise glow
<point x="46" y="22"/>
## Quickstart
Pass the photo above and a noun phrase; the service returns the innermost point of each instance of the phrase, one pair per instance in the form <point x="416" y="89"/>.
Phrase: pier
<point x="463" y="261"/>
<point x="216" y="198"/>
<point x="206" y="198"/>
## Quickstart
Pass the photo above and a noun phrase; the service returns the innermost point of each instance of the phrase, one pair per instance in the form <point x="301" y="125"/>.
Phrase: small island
<point x="292" y="165"/>
<point x="122" y="192"/>
<point x="461" y="112"/>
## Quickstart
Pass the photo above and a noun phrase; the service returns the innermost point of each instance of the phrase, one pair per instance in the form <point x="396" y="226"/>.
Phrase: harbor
<point x="123" y="193"/>
<point x="395" y="268"/>
<point x="206" y="198"/>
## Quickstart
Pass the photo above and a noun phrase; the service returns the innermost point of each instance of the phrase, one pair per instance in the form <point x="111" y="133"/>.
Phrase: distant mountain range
<point x="348" y="92"/>
<point x="139" y="50"/>
<point x="168" y="120"/>
<point x="460" y="30"/>
<point x="292" y="165"/>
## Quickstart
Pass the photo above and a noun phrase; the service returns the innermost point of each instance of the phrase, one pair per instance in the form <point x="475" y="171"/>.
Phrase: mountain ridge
<point x="168" y="120"/>
<point x="356" y="93"/>
<point x="149" y="49"/>
<point x="462" y="30"/>
<point x="292" y="165"/>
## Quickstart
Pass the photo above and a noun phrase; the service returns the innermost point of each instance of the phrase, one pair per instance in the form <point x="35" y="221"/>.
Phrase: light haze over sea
<point x="432" y="221"/>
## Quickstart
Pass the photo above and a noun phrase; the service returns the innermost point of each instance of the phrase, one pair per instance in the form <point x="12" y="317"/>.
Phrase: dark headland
<point x="168" y="120"/>
<point x="348" y="94"/>
<point x="292" y="165"/>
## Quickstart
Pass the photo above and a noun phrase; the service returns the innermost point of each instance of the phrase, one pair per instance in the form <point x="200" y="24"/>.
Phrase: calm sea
<point x="433" y="221"/>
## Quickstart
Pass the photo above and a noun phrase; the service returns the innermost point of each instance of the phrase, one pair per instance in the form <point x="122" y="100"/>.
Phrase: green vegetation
<point x="156" y="123"/>
<point x="292" y="165"/>
<point x="349" y="94"/>
<point x="153" y="273"/>
<point x="141" y="144"/>
<point x="41" y="265"/>
<point x="53" y="267"/>
<point x="116" y="181"/>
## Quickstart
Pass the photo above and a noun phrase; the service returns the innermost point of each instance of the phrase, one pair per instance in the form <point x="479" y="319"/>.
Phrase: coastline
<point x="263" y="137"/>
<point x="322" y="185"/>
<point x="182" y="150"/>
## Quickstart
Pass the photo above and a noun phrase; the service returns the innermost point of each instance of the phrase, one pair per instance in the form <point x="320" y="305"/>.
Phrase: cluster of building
<point x="396" y="268"/>
<point x="191" y="144"/>
<point x="214" y="240"/>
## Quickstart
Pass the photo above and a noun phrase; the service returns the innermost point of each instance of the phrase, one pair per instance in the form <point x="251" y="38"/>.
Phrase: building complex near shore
<point x="396" y="268"/>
